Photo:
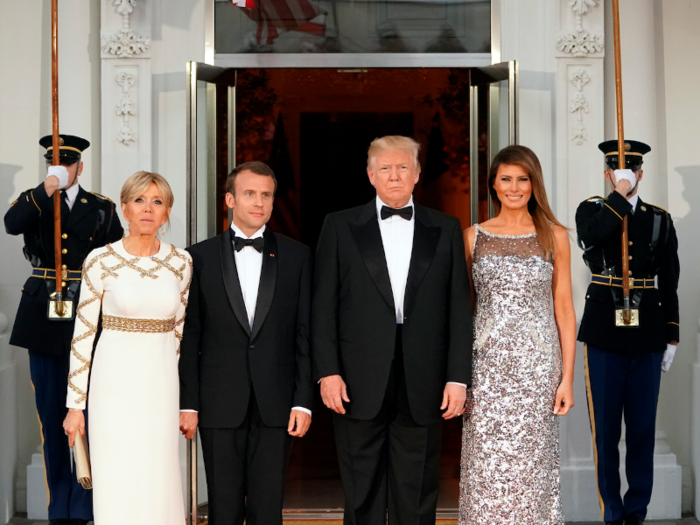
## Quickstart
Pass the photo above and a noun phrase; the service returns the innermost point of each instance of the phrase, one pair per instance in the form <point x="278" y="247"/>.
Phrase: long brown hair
<point x="538" y="205"/>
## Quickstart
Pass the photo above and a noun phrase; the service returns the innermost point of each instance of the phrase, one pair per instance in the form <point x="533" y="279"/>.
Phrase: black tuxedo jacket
<point x="222" y="359"/>
<point x="354" y="319"/>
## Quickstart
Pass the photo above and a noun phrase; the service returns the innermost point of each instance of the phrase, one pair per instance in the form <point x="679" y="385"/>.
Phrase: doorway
<point x="313" y="127"/>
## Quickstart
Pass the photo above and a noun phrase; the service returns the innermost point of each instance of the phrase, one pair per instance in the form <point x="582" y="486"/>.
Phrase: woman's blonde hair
<point x="138" y="183"/>
<point x="538" y="205"/>
<point x="390" y="142"/>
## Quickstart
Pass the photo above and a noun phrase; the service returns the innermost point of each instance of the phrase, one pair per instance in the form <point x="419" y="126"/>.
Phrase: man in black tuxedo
<point x="245" y="368"/>
<point x="391" y="339"/>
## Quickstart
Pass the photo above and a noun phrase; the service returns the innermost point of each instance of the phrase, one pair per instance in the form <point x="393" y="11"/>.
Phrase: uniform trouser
<point x="389" y="461"/>
<point x="245" y="469"/>
<point x="623" y="385"/>
<point x="67" y="498"/>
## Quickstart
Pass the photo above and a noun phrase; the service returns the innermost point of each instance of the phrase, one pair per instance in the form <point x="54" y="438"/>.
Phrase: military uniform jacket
<point x="92" y="222"/>
<point x="653" y="251"/>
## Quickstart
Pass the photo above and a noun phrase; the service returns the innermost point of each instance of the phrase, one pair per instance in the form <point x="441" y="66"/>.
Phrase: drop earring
<point x="126" y="231"/>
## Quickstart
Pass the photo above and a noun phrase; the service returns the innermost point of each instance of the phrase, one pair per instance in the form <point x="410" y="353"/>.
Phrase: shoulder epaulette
<point x="657" y="207"/>
<point x="596" y="198"/>
<point x="101" y="196"/>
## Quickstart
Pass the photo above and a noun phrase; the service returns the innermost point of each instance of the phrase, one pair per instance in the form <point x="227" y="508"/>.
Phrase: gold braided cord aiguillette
<point x="128" y="324"/>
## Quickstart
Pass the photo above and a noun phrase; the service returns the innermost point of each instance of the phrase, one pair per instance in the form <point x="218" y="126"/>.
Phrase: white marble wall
<point x="678" y="75"/>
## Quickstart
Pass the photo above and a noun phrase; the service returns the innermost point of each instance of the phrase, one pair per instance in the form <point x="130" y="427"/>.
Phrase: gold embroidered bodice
<point x="138" y="297"/>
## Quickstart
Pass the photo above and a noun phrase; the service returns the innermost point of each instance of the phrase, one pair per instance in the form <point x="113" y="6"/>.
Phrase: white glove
<point x="61" y="173"/>
<point x="625" y="174"/>
<point x="668" y="357"/>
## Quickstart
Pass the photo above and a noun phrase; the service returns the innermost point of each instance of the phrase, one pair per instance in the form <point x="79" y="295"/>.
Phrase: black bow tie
<point x="239" y="243"/>
<point x="404" y="213"/>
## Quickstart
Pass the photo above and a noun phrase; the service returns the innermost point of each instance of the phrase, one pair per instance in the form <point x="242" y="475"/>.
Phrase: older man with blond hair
<point x="391" y="339"/>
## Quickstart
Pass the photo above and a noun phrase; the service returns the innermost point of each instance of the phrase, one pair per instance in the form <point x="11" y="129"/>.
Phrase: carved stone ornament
<point x="126" y="108"/>
<point x="579" y="104"/>
<point x="125" y="43"/>
<point x="581" y="42"/>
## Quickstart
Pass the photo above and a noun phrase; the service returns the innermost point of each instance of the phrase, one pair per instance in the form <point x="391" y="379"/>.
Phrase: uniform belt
<point x="608" y="280"/>
<point x="48" y="273"/>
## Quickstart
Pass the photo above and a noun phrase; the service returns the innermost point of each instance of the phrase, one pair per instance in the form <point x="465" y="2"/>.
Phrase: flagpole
<point x="56" y="156"/>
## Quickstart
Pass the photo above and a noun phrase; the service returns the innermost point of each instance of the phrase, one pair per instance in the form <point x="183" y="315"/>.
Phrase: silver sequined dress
<point x="510" y="448"/>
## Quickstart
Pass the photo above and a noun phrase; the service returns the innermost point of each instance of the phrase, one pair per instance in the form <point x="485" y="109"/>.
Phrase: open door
<point x="314" y="125"/>
<point x="496" y="88"/>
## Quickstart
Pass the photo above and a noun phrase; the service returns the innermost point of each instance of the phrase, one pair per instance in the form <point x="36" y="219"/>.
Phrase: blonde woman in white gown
<point x="138" y="287"/>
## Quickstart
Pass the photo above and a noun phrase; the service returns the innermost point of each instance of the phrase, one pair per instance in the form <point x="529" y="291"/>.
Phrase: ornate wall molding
<point x="125" y="43"/>
<point x="579" y="104"/>
<point x="581" y="42"/>
<point x="126" y="107"/>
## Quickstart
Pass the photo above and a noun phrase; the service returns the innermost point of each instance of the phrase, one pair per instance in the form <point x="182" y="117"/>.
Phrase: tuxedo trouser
<point x="245" y="470"/>
<point x="389" y="461"/>
<point x="67" y="498"/>
<point x="623" y="385"/>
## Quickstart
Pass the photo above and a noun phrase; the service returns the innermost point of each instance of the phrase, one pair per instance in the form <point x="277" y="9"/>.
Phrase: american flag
<point x="275" y="17"/>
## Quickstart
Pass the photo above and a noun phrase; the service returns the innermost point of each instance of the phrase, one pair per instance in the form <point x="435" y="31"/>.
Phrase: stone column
<point x="126" y="92"/>
<point x="579" y="51"/>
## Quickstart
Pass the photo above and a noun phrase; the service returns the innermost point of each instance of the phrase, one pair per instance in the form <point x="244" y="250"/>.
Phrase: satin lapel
<point x="268" y="281"/>
<point x="425" y="239"/>
<point x="369" y="241"/>
<point x="80" y="208"/>
<point x="231" y="282"/>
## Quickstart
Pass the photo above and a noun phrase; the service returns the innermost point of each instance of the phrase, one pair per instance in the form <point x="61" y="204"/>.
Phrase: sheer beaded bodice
<point x="513" y="282"/>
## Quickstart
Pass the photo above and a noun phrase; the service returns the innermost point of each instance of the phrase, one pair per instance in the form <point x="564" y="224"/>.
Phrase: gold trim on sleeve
<point x="671" y="322"/>
<point x="35" y="204"/>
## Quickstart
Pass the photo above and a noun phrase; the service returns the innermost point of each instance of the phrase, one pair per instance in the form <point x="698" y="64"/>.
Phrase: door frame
<point x="483" y="77"/>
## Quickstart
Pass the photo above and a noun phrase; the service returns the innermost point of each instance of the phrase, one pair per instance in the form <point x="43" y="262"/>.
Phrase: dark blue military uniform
<point x="623" y="365"/>
<point x="92" y="222"/>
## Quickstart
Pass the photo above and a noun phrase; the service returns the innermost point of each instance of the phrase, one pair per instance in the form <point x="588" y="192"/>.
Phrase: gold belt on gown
<point x="130" y="324"/>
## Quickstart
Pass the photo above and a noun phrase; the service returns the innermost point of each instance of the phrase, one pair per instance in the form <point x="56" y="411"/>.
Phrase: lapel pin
<point x="272" y="255"/>
<point x="84" y="201"/>
<point x="644" y="208"/>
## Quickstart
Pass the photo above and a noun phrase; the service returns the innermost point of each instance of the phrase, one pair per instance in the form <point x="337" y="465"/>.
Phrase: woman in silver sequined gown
<point x="510" y="449"/>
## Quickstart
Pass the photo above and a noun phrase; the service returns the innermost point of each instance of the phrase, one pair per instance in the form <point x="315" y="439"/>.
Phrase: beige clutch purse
<point x="82" y="461"/>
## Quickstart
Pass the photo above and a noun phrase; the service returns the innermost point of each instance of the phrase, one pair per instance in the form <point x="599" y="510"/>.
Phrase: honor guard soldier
<point x="624" y="356"/>
<point x="88" y="221"/>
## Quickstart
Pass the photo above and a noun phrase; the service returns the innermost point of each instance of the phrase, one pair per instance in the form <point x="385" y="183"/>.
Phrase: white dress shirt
<point x="71" y="194"/>
<point x="633" y="201"/>
<point x="249" y="267"/>
<point x="397" y="238"/>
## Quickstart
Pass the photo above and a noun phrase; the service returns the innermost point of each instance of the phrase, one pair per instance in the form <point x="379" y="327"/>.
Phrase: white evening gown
<point x="133" y="397"/>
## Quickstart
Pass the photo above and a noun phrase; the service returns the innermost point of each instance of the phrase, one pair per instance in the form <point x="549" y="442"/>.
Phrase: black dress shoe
<point x="78" y="522"/>
<point x="633" y="520"/>
<point x="616" y="522"/>
<point x="59" y="522"/>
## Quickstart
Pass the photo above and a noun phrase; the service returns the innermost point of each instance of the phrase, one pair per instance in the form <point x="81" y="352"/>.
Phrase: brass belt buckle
<point x="59" y="310"/>
<point x="633" y="321"/>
